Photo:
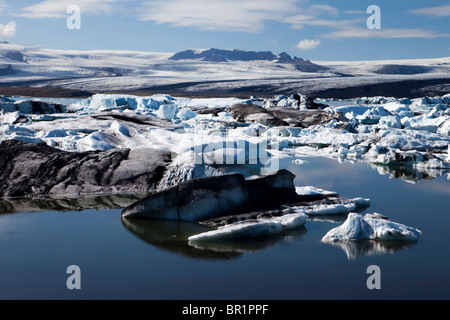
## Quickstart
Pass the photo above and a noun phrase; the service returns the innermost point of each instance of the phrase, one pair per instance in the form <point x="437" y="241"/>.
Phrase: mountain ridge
<point x="225" y="55"/>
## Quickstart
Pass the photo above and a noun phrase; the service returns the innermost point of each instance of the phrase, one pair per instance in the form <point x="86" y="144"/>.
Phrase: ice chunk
<point x="421" y="105"/>
<point x="33" y="107"/>
<point x="257" y="228"/>
<point x="109" y="102"/>
<point x="95" y="141"/>
<point x="351" y="112"/>
<point x="344" y="206"/>
<point x="310" y="190"/>
<point x="372" y="115"/>
<point x="20" y="133"/>
<point x="235" y="152"/>
<point x="167" y="111"/>
<point x="427" y="122"/>
<point x="186" y="114"/>
<point x="390" y="122"/>
<point x="444" y="128"/>
<point x="398" y="108"/>
<point x="371" y="227"/>
<point x="56" y="133"/>
<point x="13" y="118"/>
<point x="241" y="230"/>
<point x="119" y="128"/>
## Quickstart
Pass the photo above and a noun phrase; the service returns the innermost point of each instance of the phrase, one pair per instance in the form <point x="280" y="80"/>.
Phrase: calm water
<point x="152" y="260"/>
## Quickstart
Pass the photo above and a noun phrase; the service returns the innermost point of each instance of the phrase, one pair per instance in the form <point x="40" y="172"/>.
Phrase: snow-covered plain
<point x="125" y="71"/>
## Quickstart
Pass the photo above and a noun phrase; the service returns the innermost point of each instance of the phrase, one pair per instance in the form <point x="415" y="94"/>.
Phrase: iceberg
<point x="32" y="107"/>
<point x="399" y="109"/>
<point x="167" y="111"/>
<point x="186" y="114"/>
<point x="253" y="229"/>
<point x="390" y="122"/>
<point x="109" y="102"/>
<point x="371" y="227"/>
<point x="13" y="118"/>
<point x="310" y="190"/>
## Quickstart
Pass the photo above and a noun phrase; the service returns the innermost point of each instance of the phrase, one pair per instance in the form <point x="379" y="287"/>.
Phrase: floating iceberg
<point x="371" y="227"/>
<point x="343" y="206"/>
<point x="253" y="229"/>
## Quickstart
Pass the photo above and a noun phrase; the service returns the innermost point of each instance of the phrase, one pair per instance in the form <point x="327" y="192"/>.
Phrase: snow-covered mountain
<point x="215" y="72"/>
<point x="219" y="55"/>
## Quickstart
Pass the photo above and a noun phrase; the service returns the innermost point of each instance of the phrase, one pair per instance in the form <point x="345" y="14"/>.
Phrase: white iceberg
<point x="344" y="207"/>
<point x="253" y="229"/>
<point x="371" y="227"/>
<point x="108" y="102"/>
<point x="311" y="190"/>
<point x="167" y="111"/>
<point x="186" y="114"/>
<point x="390" y="122"/>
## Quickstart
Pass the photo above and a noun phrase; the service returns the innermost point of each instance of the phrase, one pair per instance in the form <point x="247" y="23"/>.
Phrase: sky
<point x="316" y="30"/>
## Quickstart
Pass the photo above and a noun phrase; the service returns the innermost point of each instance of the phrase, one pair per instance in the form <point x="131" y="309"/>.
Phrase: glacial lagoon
<point x="142" y="259"/>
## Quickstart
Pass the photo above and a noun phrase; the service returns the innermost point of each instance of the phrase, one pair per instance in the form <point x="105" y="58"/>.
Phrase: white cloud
<point x="308" y="44"/>
<point x="319" y="9"/>
<point x="58" y="8"/>
<point x="390" y="33"/>
<point x="356" y="28"/>
<point x="8" y="30"/>
<point x="355" y="12"/>
<point x="300" y="21"/>
<point x="442" y="11"/>
<point x="218" y="15"/>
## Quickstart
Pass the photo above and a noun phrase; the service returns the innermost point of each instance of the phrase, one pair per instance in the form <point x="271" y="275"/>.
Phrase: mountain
<point x="220" y="55"/>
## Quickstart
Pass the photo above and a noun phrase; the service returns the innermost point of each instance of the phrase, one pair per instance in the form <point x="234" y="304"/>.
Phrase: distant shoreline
<point x="398" y="89"/>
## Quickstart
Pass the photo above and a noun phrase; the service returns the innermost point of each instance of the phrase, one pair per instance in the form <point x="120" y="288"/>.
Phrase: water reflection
<point x="251" y="244"/>
<point x="410" y="174"/>
<point x="68" y="204"/>
<point x="403" y="172"/>
<point x="173" y="236"/>
<point x="358" y="248"/>
<point x="298" y="163"/>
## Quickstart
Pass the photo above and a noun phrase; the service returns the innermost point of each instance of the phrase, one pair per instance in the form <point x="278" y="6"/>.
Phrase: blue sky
<point x="316" y="30"/>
